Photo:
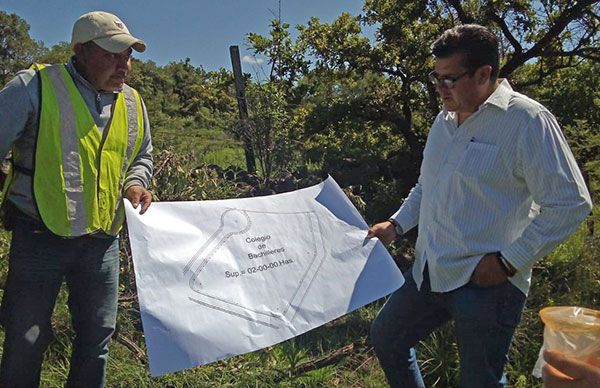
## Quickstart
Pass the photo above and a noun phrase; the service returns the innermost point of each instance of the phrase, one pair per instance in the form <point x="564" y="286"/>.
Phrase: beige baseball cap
<point x="107" y="31"/>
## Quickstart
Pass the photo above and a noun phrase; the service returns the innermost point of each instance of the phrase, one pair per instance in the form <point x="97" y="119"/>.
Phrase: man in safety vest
<point x="80" y="142"/>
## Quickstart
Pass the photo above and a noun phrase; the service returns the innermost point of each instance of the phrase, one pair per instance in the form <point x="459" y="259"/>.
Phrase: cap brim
<point x="119" y="43"/>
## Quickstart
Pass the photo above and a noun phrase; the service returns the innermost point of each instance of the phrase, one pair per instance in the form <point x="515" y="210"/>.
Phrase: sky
<point x="201" y="30"/>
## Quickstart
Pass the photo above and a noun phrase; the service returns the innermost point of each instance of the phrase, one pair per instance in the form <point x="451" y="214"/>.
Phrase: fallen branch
<point x="135" y="349"/>
<point x="127" y="298"/>
<point x="330" y="359"/>
<point x="164" y="163"/>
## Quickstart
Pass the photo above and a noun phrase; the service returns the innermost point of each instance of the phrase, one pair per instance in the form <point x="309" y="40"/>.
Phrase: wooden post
<point x="243" y="108"/>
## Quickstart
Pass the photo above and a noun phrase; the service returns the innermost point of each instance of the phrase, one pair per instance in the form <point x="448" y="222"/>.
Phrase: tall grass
<point x="225" y="157"/>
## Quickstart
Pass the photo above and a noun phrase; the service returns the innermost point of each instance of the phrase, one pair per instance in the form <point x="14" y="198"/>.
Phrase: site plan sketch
<point x="221" y="278"/>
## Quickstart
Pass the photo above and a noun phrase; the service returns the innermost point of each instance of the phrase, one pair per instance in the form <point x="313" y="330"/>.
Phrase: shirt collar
<point x="501" y="96"/>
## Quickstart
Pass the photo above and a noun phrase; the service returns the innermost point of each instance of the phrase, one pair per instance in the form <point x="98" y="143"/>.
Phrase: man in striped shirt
<point x="498" y="189"/>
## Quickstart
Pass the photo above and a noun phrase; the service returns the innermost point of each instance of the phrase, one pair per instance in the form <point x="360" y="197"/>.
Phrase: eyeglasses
<point x="446" y="80"/>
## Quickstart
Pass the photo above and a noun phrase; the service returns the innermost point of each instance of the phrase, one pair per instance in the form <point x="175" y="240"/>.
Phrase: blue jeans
<point x="39" y="261"/>
<point x="484" y="320"/>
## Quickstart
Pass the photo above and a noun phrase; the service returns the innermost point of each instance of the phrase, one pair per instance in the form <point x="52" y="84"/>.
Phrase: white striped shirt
<point x="505" y="180"/>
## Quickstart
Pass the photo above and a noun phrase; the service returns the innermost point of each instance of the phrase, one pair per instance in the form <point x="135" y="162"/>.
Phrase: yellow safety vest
<point x="78" y="171"/>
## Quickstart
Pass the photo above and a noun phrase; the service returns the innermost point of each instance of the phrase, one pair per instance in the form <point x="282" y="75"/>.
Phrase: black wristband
<point x="397" y="227"/>
<point x="508" y="270"/>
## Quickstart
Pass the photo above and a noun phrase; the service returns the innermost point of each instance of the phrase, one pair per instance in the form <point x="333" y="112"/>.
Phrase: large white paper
<point x="221" y="278"/>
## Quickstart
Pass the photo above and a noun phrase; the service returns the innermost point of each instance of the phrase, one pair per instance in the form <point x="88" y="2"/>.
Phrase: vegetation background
<point x="334" y="102"/>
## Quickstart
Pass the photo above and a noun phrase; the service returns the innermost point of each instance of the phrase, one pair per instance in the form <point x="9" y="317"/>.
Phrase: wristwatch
<point x="507" y="267"/>
<point x="397" y="227"/>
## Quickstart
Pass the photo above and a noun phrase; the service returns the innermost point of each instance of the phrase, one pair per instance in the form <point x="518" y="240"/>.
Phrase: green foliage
<point x="286" y="58"/>
<point x="178" y="177"/>
<point x="385" y="197"/>
<point x="273" y="128"/>
<point x="224" y="156"/>
<point x="17" y="49"/>
<point x="344" y="118"/>
<point x="324" y="67"/>
<point x="572" y="92"/>
<point x="188" y="108"/>
<point x="438" y="358"/>
<point x="59" y="53"/>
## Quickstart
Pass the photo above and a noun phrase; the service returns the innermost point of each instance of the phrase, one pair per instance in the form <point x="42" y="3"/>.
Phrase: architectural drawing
<point x="270" y="250"/>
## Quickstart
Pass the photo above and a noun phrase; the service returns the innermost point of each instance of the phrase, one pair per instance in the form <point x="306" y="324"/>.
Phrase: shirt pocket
<point x="478" y="159"/>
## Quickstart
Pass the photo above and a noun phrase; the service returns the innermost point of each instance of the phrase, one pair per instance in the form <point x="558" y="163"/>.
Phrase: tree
<point x="272" y="112"/>
<point x="59" y="53"/>
<point x="572" y="93"/>
<point x="17" y="48"/>
<point x="273" y="128"/>
<point x="327" y="64"/>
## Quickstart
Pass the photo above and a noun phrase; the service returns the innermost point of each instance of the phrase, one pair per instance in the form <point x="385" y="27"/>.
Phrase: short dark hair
<point x="477" y="45"/>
